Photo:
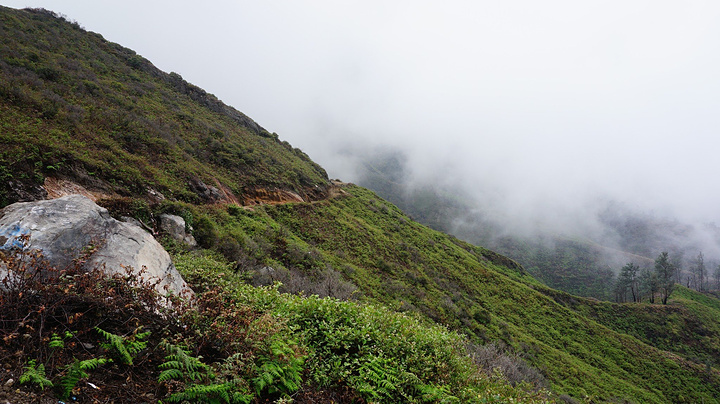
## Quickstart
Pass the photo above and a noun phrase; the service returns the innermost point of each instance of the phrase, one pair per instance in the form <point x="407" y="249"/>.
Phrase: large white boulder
<point x="64" y="228"/>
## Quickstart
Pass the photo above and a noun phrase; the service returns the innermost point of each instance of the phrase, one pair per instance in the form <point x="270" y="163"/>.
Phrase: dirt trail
<point x="220" y="195"/>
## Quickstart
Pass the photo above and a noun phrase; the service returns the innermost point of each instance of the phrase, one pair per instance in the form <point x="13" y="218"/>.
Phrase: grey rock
<point x="25" y="191"/>
<point x="154" y="195"/>
<point x="138" y="223"/>
<point x="174" y="226"/>
<point x="63" y="228"/>
<point x="131" y="220"/>
<point x="207" y="193"/>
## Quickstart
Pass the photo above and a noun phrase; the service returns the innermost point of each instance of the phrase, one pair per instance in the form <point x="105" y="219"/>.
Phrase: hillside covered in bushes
<point x="307" y="290"/>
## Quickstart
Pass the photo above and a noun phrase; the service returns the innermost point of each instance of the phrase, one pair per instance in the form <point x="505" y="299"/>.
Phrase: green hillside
<point x="688" y="326"/>
<point x="409" y="267"/>
<point x="398" y="313"/>
<point x="75" y="105"/>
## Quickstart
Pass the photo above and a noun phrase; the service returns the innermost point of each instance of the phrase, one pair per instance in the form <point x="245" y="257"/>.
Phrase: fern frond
<point x="214" y="393"/>
<point x="431" y="393"/>
<point x="180" y="365"/>
<point x="179" y="359"/>
<point x="76" y="371"/>
<point x="56" y="342"/>
<point x="380" y="379"/>
<point x="124" y="348"/>
<point x="35" y="375"/>
<point x="170" y="374"/>
<point x="280" y="372"/>
<point x="93" y="363"/>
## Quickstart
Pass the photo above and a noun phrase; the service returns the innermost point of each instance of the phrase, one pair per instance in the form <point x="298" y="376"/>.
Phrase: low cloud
<point x="539" y="112"/>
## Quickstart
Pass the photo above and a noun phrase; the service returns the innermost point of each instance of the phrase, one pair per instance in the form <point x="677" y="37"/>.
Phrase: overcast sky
<point x="548" y="105"/>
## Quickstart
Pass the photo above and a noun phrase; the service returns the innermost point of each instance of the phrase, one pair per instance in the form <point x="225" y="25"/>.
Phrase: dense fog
<point x="543" y="113"/>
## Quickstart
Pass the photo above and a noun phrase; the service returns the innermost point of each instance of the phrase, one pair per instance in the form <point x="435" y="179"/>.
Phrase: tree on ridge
<point x="665" y="272"/>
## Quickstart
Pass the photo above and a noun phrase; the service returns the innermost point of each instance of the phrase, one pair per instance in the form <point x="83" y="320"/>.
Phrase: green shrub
<point x="205" y="232"/>
<point x="384" y="355"/>
<point x="180" y="365"/>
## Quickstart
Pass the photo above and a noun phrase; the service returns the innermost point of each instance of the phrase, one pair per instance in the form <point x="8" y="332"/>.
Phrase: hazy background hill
<point x="582" y="258"/>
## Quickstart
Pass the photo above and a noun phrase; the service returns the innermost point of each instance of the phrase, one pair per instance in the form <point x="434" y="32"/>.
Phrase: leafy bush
<point x="205" y="232"/>
<point x="352" y="344"/>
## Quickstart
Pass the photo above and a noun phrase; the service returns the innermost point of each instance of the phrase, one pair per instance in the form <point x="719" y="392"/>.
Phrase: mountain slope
<point x="688" y="326"/>
<point x="403" y="264"/>
<point x="76" y="108"/>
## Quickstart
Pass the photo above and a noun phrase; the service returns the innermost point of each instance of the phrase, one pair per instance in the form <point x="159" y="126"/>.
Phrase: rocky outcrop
<point x="59" y="187"/>
<point x="17" y="190"/>
<point x="63" y="229"/>
<point x="210" y="194"/>
<point x="174" y="226"/>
